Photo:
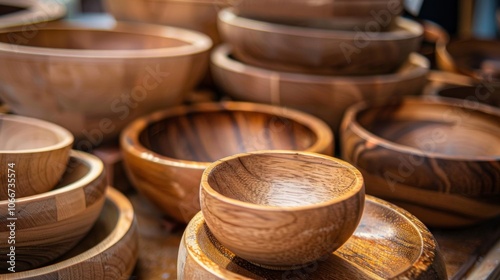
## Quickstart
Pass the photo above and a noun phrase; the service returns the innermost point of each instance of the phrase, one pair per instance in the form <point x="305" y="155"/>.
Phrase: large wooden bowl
<point x="29" y="13"/>
<point x="165" y="153"/>
<point x="109" y="251"/>
<point x="319" y="50"/>
<point x="322" y="96"/>
<point x="33" y="155"/>
<point x="437" y="158"/>
<point x="94" y="81"/>
<point x="48" y="225"/>
<point x="389" y="243"/>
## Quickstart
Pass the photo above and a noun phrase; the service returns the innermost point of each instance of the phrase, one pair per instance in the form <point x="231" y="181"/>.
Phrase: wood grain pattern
<point x="39" y="151"/>
<point x="389" y="243"/>
<point x="281" y="209"/>
<point x="109" y="251"/>
<point x="284" y="47"/>
<point x="48" y="224"/>
<point x="125" y="71"/>
<point x="438" y="158"/>
<point x="165" y="153"/>
<point x="29" y="12"/>
<point x="321" y="96"/>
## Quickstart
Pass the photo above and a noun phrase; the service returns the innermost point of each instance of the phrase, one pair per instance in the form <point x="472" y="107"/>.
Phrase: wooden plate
<point x="29" y="12"/>
<point x="388" y="243"/>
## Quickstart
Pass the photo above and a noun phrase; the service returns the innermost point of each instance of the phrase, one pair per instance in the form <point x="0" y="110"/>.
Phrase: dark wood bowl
<point x="436" y="157"/>
<point x="479" y="93"/>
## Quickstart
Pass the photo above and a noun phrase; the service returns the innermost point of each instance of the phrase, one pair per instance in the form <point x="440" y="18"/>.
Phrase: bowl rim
<point x="35" y="12"/>
<point x="197" y="42"/>
<point x="409" y="29"/>
<point x="354" y="189"/>
<point x="66" y="138"/>
<point x="125" y="223"/>
<point x="349" y="122"/>
<point x="129" y="139"/>
<point x="219" y="58"/>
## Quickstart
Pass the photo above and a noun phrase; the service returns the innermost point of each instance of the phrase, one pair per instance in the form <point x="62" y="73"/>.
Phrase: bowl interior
<point x="283" y="180"/>
<point x="475" y="57"/>
<point x="483" y="94"/>
<point x="18" y="135"/>
<point x="6" y="9"/>
<point x="90" y="39"/>
<point x="209" y="136"/>
<point x="435" y="128"/>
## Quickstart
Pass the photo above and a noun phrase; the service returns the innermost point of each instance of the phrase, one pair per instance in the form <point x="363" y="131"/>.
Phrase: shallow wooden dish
<point x="93" y="80"/>
<point x="165" y="153"/>
<point x="438" y="158"/>
<point x="48" y="225"/>
<point x="109" y="251"/>
<point x="321" y="96"/>
<point x="29" y="13"/>
<point x="35" y="151"/>
<point x="319" y="50"/>
<point x="389" y="243"/>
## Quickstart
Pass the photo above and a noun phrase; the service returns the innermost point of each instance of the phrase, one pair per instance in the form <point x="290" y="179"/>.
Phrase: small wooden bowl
<point x="48" y="225"/>
<point x="29" y="13"/>
<point x="109" y="251"/>
<point x="33" y="155"/>
<point x="438" y="158"/>
<point x="165" y="153"/>
<point x="389" y="243"/>
<point x="321" y="96"/>
<point x="317" y="50"/>
<point x="94" y="81"/>
<point x="281" y="209"/>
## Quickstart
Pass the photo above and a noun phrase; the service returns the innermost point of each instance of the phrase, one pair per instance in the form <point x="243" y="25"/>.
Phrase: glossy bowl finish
<point x="30" y="14"/>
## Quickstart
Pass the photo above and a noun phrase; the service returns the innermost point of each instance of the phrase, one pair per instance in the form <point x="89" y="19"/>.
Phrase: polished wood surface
<point x="321" y="96"/>
<point x="109" y="250"/>
<point x="29" y="13"/>
<point x="318" y="50"/>
<point x="165" y="153"/>
<point x="95" y="80"/>
<point x="437" y="158"/>
<point x="35" y="151"/>
<point x="281" y="209"/>
<point x="389" y="243"/>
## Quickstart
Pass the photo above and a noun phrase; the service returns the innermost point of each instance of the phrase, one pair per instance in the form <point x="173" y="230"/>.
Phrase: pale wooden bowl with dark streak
<point x="438" y="158"/>
<point x="50" y="224"/>
<point x="37" y="153"/>
<point x="281" y="209"/>
<point x="166" y="152"/>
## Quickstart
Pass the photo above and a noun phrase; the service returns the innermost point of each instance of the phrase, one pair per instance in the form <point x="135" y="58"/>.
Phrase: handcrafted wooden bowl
<point x="389" y="243"/>
<point x="436" y="157"/>
<point x="29" y="13"/>
<point x="47" y="225"/>
<point x="281" y="209"/>
<point x="199" y="15"/>
<point x="93" y="80"/>
<point x="165" y="153"/>
<point x="434" y="35"/>
<point x="109" y="251"/>
<point x="319" y="50"/>
<point x="33" y="155"/>
<point x="479" y="93"/>
<point x="322" y="96"/>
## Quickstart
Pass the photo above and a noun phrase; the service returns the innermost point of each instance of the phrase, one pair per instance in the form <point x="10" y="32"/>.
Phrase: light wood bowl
<point x="94" y="81"/>
<point x="389" y="243"/>
<point x="36" y="153"/>
<point x="319" y="50"/>
<point x="438" y="158"/>
<point x="281" y="209"/>
<point x="321" y="96"/>
<point x="50" y="224"/>
<point x="109" y="251"/>
<point x="29" y="13"/>
<point x="165" y="153"/>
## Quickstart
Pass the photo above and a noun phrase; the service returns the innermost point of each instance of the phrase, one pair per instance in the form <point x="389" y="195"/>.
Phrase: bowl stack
<point x="318" y="58"/>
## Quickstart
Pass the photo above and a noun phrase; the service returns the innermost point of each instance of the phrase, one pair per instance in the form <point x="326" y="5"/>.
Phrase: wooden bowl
<point x="486" y="95"/>
<point x="281" y="209"/>
<point x="109" y="251"/>
<point x="438" y="158"/>
<point x="33" y="155"/>
<point x="389" y="243"/>
<point x="47" y="225"/>
<point x="321" y="96"/>
<point x="319" y="50"/>
<point x="29" y="13"/>
<point x="199" y="15"/>
<point x="165" y="153"/>
<point x="94" y="81"/>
